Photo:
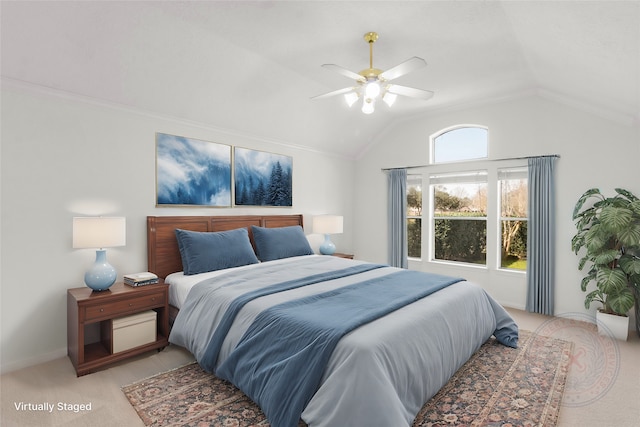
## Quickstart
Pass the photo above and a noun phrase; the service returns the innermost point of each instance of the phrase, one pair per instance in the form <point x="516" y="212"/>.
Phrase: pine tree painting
<point x="261" y="178"/>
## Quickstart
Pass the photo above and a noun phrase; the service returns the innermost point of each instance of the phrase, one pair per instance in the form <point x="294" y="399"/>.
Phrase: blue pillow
<point x="209" y="251"/>
<point x="282" y="242"/>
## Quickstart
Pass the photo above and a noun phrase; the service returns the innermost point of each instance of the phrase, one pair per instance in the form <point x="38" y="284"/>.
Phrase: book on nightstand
<point x="140" y="279"/>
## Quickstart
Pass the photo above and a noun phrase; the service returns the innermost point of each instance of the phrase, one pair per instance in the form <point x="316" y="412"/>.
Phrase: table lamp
<point x="100" y="233"/>
<point x="327" y="225"/>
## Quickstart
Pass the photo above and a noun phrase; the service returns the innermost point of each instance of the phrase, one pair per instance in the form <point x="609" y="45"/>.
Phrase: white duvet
<point x="382" y="373"/>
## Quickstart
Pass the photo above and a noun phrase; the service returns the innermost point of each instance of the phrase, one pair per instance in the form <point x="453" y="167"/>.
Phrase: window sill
<point x="459" y="264"/>
<point x="512" y="271"/>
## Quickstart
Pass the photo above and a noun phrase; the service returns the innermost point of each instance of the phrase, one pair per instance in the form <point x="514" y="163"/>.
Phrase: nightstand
<point x="341" y="255"/>
<point x="86" y="307"/>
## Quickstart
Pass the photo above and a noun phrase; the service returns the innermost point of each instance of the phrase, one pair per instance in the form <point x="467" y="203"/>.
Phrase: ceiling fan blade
<point x="334" y="93"/>
<point x="407" y="66"/>
<point x="410" y="92"/>
<point x="347" y="73"/>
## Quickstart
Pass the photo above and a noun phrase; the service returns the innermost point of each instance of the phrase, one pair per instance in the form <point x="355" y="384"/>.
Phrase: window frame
<point x="435" y="136"/>
<point x="493" y="230"/>
<point x="517" y="170"/>
<point x="460" y="177"/>
<point x="415" y="177"/>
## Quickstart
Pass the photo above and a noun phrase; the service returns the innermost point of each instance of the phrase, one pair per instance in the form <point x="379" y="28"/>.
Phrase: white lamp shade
<point x="389" y="98"/>
<point x="99" y="232"/>
<point x="368" y="105"/>
<point x="372" y="89"/>
<point x="351" y="98"/>
<point x="327" y="224"/>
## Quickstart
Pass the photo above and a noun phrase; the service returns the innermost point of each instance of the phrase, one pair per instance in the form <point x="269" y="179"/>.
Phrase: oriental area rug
<point x="497" y="386"/>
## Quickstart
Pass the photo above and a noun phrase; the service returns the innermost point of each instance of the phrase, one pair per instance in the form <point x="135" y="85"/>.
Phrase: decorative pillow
<point x="282" y="242"/>
<point x="209" y="251"/>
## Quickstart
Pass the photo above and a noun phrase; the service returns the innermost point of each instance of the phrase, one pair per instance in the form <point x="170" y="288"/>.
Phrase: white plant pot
<point x="613" y="325"/>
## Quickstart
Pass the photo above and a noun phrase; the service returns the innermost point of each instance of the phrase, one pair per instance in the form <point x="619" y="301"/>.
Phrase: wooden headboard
<point x="163" y="255"/>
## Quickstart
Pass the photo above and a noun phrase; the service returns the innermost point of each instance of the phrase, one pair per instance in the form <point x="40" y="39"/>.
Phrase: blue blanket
<point x="299" y="337"/>
<point x="213" y="348"/>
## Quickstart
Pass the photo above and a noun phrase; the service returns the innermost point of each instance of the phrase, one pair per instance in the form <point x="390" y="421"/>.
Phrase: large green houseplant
<point x="609" y="232"/>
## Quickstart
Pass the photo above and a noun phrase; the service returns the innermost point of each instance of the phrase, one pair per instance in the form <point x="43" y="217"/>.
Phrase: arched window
<point x="462" y="190"/>
<point x="460" y="143"/>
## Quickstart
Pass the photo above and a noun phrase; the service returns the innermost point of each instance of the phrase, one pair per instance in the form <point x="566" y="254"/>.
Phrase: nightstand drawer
<point x="111" y="309"/>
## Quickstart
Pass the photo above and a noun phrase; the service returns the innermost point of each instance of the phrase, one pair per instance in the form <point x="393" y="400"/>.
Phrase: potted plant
<point x="609" y="232"/>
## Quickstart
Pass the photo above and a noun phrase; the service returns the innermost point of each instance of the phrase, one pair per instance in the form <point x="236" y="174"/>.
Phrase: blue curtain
<point x="541" y="235"/>
<point x="397" y="214"/>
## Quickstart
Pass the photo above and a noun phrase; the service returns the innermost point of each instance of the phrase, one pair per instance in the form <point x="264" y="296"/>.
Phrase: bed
<point x="332" y="341"/>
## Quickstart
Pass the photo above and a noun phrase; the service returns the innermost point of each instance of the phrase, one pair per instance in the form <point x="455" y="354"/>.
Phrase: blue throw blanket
<point x="213" y="348"/>
<point x="280" y="360"/>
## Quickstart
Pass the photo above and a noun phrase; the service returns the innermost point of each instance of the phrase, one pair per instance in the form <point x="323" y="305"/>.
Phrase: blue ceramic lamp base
<point x="327" y="247"/>
<point x="101" y="275"/>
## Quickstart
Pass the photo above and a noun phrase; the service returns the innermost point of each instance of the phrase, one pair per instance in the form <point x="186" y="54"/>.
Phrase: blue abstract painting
<point x="192" y="172"/>
<point x="261" y="178"/>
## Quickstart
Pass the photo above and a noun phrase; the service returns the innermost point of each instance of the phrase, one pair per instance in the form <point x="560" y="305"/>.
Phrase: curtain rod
<point x="480" y="160"/>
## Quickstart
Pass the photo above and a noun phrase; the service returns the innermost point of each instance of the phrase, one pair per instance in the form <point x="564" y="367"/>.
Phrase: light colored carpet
<point x="595" y="395"/>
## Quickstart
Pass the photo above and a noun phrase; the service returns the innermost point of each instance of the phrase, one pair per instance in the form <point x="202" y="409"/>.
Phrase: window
<point x="476" y="209"/>
<point x="513" y="218"/>
<point x="459" y="212"/>
<point x="459" y="144"/>
<point x="414" y="215"/>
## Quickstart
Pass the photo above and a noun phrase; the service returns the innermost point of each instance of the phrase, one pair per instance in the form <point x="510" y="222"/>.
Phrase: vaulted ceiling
<point x="252" y="67"/>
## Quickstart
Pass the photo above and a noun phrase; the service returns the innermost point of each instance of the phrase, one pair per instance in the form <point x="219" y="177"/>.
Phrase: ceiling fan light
<point x="372" y="89"/>
<point x="368" y="105"/>
<point x="389" y="98"/>
<point x="351" y="98"/>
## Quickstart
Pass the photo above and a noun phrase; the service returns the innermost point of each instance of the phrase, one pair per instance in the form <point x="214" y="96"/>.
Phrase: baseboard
<point x="517" y="306"/>
<point x="36" y="360"/>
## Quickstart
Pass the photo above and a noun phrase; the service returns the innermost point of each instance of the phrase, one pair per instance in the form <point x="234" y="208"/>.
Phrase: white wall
<point x="595" y="152"/>
<point x="63" y="156"/>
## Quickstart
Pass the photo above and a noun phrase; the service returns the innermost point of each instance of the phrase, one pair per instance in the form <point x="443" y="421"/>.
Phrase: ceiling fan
<point x="373" y="84"/>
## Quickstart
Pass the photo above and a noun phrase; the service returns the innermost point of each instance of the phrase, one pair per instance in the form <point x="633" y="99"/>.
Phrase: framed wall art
<point x="191" y="172"/>
<point x="262" y="178"/>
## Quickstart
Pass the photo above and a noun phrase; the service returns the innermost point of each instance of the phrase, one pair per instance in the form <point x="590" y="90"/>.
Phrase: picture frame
<point x="262" y="178"/>
<point x="192" y="172"/>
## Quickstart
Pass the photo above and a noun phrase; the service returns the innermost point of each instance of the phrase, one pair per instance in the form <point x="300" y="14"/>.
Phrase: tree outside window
<point x="460" y="217"/>
<point x="414" y="215"/>
<point x="513" y="218"/>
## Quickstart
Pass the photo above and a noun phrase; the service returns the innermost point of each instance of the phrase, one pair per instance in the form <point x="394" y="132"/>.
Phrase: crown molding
<point x="62" y="94"/>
